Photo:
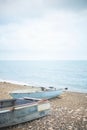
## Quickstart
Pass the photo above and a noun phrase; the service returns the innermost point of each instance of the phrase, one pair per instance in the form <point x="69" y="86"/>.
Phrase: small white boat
<point x="42" y="94"/>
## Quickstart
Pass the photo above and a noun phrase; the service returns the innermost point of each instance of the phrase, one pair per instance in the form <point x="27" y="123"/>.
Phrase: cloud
<point x="76" y="5"/>
<point x="11" y="10"/>
<point x="17" y="10"/>
<point x="37" y="32"/>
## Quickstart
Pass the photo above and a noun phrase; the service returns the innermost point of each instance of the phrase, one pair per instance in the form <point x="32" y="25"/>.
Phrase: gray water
<point x="60" y="74"/>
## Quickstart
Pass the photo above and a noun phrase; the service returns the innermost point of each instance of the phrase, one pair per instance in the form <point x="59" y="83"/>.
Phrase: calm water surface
<point x="71" y="74"/>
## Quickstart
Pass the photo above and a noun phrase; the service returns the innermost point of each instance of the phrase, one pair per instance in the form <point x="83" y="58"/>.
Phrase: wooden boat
<point x="42" y="94"/>
<point x="15" y="111"/>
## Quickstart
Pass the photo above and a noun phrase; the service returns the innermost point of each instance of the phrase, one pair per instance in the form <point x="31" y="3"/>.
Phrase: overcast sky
<point x="43" y="29"/>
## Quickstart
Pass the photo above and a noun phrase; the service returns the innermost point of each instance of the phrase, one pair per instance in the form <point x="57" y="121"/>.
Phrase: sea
<point x="58" y="74"/>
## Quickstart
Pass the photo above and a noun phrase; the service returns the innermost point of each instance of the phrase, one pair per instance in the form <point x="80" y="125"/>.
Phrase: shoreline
<point x="14" y="82"/>
<point x="39" y="86"/>
<point x="7" y="87"/>
<point x="68" y="112"/>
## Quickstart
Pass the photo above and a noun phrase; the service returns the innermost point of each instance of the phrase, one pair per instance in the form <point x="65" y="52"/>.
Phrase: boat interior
<point x="15" y="102"/>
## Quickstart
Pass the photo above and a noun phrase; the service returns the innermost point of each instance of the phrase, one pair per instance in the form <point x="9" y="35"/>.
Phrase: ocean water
<point x="59" y="74"/>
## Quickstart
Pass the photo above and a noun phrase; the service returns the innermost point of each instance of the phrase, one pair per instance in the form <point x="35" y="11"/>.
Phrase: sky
<point x="43" y="29"/>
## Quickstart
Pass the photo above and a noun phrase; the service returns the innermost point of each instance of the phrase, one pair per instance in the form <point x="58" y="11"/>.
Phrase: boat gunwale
<point x="17" y="107"/>
<point x="14" y="92"/>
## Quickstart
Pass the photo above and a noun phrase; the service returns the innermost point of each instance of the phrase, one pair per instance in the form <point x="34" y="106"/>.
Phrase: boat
<point x="15" y="111"/>
<point x="48" y="94"/>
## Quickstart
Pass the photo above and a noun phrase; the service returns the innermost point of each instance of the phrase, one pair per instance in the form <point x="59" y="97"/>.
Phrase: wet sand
<point x="68" y="112"/>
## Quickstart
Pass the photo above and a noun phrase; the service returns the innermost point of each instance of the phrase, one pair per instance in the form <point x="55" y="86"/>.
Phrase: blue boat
<point x="15" y="111"/>
<point x="42" y="94"/>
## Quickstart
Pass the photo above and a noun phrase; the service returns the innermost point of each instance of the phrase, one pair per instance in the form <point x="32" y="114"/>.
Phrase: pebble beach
<point x="68" y="112"/>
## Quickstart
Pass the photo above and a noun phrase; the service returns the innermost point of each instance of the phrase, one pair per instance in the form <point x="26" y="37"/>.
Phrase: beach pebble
<point x="50" y="128"/>
<point x="85" y="119"/>
<point x="70" y="128"/>
<point x="70" y="111"/>
<point x="77" y="110"/>
<point x="75" y="128"/>
<point x="29" y="127"/>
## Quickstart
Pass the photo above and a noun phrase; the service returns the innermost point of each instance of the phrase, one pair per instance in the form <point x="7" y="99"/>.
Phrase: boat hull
<point x="15" y="115"/>
<point x="41" y="95"/>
